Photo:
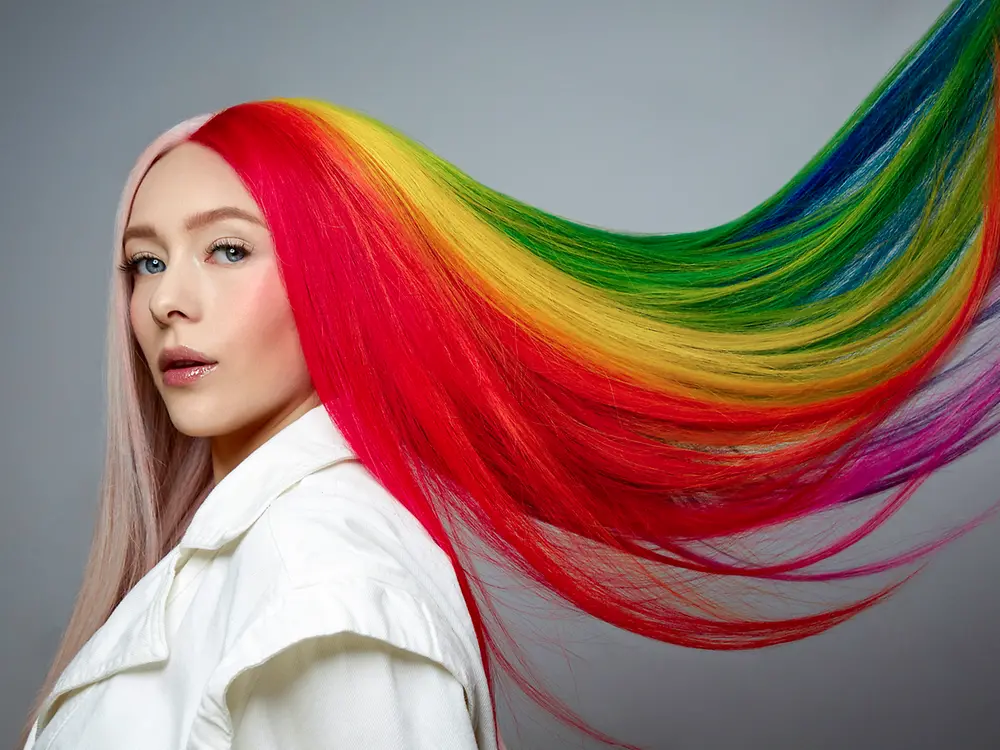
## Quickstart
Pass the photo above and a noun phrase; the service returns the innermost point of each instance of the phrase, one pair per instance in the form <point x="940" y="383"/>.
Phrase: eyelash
<point x="131" y="266"/>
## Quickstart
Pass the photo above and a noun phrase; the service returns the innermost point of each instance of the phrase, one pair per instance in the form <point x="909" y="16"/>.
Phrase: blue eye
<point x="240" y="248"/>
<point x="133" y="265"/>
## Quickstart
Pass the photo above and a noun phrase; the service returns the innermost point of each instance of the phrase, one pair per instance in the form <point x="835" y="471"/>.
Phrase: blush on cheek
<point x="268" y="316"/>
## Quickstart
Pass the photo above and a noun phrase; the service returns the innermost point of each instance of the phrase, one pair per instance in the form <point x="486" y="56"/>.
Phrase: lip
<point x="186" y="375"/>
<point x="179" y="354"/>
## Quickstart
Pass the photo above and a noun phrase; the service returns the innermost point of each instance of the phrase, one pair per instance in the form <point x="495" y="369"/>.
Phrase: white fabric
<point x="303" y="608"/>
<point x="291" y="701"/>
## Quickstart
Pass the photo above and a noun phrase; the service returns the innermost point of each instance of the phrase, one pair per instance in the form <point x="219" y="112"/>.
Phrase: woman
<point x="395" y="355"/>
<point x="166" y="668"/>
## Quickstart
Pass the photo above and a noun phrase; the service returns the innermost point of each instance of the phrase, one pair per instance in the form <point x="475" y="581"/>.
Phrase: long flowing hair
<point x="612" y="416"/>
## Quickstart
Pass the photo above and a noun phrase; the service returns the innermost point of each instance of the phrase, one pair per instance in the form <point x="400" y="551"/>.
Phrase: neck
<point x="229" y="450"/>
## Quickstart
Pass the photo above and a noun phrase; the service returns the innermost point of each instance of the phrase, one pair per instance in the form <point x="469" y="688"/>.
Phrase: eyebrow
<point x="193" y="222"/>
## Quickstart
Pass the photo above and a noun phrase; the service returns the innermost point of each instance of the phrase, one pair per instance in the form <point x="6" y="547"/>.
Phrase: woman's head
<point x="202" y="270"/>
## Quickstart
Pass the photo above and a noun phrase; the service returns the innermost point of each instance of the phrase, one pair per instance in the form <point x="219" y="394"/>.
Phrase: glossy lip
<point x="179" y="354"/>
<point x="180" y="376"/>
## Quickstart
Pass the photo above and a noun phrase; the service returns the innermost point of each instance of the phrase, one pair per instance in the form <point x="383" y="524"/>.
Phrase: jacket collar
<point x="135" y="633"/>
<point x="306" y="445"/>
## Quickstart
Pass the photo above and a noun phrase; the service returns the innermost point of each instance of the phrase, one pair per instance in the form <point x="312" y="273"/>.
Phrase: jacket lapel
<point x="134" y="635"/>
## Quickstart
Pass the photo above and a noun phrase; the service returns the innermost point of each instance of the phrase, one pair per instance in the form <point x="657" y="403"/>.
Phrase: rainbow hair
<point x="614" y="413"/>
<point x="500" y="366"/>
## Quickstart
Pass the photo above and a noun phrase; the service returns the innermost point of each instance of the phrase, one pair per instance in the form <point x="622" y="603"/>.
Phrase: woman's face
<point x="210" y="282"/>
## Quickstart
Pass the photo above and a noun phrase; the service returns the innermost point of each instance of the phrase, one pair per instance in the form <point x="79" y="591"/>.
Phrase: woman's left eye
<point x="241" y="251"/>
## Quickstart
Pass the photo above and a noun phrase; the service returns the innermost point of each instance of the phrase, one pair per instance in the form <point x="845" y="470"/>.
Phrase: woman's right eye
<point x="138" y="262"/>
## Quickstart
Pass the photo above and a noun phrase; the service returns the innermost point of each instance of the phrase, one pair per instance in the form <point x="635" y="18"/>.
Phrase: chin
<point x="196" y="417"/>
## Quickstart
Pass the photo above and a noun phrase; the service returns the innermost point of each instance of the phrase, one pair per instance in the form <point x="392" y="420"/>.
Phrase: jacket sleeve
<point x="349" y="691"/>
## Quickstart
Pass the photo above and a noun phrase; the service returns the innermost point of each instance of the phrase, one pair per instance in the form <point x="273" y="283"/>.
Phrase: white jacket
<point x="304" y="608"/>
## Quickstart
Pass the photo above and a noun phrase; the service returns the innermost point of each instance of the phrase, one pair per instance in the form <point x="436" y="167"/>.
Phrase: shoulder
<point x="338" y="534"/>
<point x="361" y="629"/>
<point x="340" y="531"/>
<point x="353" y="567"/>
<point x="340" y="522"/>
<point x="341" y="554"/>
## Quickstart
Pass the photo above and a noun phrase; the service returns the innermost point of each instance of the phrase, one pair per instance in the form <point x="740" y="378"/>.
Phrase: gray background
<point x="663" y="115"/>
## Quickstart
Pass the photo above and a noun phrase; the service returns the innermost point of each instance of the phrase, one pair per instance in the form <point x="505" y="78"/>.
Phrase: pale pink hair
<point x="154" y="476"/>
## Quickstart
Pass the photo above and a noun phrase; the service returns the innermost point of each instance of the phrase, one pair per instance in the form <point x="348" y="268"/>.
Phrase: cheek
<point x="265" y="322"/>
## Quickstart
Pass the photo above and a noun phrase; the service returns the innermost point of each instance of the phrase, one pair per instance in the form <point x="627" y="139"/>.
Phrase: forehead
<point x="188" y="178"/>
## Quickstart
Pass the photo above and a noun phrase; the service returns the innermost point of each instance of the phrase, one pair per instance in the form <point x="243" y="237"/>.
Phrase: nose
<point x="176" y="292"/>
